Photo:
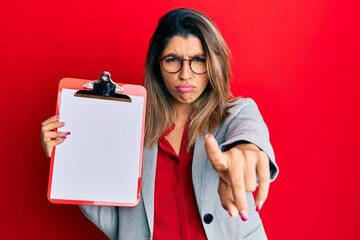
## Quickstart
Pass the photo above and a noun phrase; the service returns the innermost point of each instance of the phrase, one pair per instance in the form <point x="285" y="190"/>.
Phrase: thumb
<point x="214" y="153"/>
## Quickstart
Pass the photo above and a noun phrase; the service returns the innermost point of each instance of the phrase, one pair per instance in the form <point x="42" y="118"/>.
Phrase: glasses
<point x="173" y="64"/>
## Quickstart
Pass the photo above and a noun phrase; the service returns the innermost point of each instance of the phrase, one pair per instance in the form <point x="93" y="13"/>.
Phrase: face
<point x="185" y="86"/>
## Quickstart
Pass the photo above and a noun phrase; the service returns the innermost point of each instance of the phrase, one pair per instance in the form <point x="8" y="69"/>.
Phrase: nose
<point x="185" y="72"/>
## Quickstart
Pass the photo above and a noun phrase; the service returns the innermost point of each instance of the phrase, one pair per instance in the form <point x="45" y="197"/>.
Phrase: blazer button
<point x="208" y="218"/>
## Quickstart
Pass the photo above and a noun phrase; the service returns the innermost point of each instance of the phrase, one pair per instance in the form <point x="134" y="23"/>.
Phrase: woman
<point x="206" y="151"/>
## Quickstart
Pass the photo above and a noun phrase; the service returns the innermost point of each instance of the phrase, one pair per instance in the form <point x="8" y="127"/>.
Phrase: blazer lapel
<point x="198" y="168"/>
<point x="148" y="183"/>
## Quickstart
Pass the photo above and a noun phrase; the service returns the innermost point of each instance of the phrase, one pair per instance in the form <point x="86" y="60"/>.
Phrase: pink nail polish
<point x="209" y="135"/>
<point x="62" y="138"/>
<point x="259" y="206"/>
<point x="61" y="123"/>
<point x="244" y="215"/>
<point x="66" y="133"/>
<point x="56" y="116"/>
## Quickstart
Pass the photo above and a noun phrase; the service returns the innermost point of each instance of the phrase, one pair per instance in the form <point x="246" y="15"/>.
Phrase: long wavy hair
<point x="210" y="109"/>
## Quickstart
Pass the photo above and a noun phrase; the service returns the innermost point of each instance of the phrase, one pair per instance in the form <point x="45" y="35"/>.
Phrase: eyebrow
<point x="190" y="56"/>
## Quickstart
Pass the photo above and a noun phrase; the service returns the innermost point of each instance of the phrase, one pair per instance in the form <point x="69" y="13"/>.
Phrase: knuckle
<point x="219" y="165"/>
<point x="237" y="183"/>
<point x="248" y="154"/>
<point x="45" y="135"/>
<point x="263" y="156"/>
<point x="42" y="128"/>
<point x="220" y="168"/>
<point x="265" y="179"/>
<point x="250" y="188"/>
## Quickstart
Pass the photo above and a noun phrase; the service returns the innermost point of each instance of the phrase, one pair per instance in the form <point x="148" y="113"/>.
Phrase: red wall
<point x="298" y="59"/>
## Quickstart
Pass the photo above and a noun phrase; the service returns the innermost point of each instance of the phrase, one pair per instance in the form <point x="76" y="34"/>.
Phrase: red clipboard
<point x="100" y="163"/>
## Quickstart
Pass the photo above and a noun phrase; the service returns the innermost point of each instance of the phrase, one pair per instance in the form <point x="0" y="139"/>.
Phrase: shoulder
<point x="243" y="113"/>
<point x="235" y="105"/>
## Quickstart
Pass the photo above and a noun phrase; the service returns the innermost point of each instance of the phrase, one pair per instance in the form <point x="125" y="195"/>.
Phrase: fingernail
<point x="230" y="214"/>
<point x="61" y="123"/>
<point x="259" y="206"/>
<point x="61" y="139"/>
<point x="65" y="133"/>
<point x="244" y="215"/>
<point x="56" y="116"/>
<point x="209" y="135"/>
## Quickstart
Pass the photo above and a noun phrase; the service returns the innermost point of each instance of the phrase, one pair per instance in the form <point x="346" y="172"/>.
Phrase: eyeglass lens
<point x="173" y="64"/>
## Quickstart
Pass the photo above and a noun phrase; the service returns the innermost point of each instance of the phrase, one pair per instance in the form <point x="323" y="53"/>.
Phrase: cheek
<point x="167" y="80"/>
<point x="166" y="77"/>
<point x="205" y="82"/>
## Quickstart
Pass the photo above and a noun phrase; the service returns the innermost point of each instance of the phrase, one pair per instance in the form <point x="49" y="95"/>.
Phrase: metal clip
<point x="105" y="76"/>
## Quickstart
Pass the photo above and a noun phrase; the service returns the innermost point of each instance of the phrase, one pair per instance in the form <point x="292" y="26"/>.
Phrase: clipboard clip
<point x="103" y="88"/>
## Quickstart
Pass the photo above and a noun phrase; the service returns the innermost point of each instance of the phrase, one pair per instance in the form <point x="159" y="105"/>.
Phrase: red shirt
<point x="176" y="214"/>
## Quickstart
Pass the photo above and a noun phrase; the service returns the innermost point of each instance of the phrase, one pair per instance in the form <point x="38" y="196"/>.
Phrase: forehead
<point x="184" y="46"/>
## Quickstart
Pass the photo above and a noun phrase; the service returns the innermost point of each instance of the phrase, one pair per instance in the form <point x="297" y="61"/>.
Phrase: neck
<point x="182" y="111"/>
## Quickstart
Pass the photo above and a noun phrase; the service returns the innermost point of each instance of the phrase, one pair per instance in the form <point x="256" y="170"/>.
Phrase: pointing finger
<point x="214" y="154"/>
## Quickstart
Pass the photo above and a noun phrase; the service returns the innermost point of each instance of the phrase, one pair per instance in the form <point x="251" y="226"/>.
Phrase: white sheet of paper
<point x="100" y="160"/>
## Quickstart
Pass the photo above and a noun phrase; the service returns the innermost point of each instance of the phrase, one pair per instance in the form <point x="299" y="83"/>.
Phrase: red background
<point x="299" y="60"/>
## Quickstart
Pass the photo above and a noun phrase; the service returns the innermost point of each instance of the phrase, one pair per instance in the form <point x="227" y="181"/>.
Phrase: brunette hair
<point x="210" y="109"/>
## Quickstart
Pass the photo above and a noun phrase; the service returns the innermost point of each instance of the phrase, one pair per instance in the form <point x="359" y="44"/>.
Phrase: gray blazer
<point x="244" y="123"/>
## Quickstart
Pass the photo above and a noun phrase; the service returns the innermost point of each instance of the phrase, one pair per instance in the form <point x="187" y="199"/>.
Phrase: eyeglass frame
<point x="182" y="60"/>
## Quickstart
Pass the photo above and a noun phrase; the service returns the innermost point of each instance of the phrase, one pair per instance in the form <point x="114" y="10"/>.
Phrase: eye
<point x="172" y="59"/>
<point x="198" y="59"/>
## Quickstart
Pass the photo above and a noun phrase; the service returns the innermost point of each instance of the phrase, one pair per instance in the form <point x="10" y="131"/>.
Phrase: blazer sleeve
<point x="246" y="123"/>
<point x="104" y="217"/>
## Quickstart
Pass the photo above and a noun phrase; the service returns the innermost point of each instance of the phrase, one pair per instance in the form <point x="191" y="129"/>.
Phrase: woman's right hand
<point x="49" y="137"/>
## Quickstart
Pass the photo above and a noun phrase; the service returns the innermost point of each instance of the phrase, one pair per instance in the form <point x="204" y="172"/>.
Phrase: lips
<point x="184" y="88"/>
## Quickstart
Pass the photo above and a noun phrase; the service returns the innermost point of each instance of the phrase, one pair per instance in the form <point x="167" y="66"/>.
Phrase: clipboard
<point x="100" y="163"/>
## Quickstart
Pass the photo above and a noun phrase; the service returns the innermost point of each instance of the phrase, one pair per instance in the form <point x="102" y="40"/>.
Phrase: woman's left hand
<point x="238" y="169"/>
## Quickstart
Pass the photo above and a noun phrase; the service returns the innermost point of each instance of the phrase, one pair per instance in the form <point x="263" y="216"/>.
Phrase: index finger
<point x="50" y="120"/>
<point x="214" y="154"/>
